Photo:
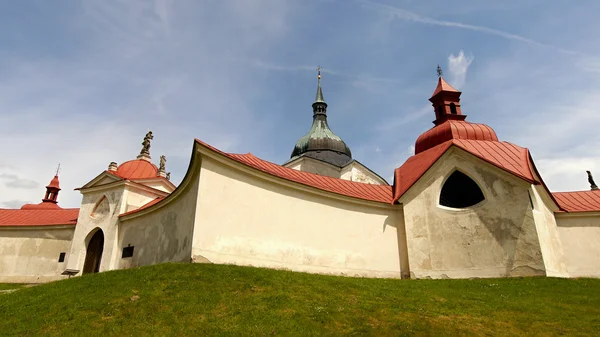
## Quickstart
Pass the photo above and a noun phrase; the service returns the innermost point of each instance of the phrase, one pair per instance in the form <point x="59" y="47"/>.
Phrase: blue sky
<point x="82" y="81"/>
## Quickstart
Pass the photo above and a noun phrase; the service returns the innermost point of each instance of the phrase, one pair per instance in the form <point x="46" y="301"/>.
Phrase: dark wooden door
<point x="93" y="255"/>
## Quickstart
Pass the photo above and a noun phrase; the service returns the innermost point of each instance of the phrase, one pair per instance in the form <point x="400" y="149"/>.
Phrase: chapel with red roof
<point x="466" y="204"/>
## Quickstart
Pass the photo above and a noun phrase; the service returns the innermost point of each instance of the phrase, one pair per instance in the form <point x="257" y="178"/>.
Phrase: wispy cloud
<point x="406" y="15"/>
<point x="13" y="181"/>
<point x="458" y="66"/>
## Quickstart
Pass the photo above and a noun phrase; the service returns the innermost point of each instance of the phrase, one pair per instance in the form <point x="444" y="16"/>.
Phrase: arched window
<point x="460" y="191"/>
<point x="441" y="110"/>
<point x="453" y="108"/>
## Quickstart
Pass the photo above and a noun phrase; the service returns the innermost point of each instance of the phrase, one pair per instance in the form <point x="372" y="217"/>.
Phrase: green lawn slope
<point x="205" y="299"/>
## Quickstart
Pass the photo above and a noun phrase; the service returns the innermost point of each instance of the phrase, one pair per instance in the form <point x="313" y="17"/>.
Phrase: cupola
<point x="450" y="122"/>
<point x="320" y="142"/>
<point x="50" y="200"/>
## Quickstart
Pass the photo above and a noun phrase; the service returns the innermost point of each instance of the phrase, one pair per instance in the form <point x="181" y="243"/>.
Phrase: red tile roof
<point x="580" y="201"/>
<point x="454" y="129"/>
<point x="507" y="156"/>
<point x="153" y="202"/>
<point x="38" y="217"/>
<point x="378" y="193"/>
<point x="136" y="169"/>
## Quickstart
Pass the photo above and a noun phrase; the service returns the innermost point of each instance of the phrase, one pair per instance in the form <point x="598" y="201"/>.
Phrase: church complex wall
<point x="495" y="238"/>
<point x="580" y="237"/>
<point x="31" y="254"/>
<point x="163" y="234"/>
<point x="248" y="218"/>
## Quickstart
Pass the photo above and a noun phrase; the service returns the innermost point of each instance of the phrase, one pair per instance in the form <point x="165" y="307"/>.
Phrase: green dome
<point x="320" y="142"/>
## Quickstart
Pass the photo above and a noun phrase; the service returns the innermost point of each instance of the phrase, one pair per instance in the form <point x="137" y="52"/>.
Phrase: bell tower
<point x="445" y="101"/>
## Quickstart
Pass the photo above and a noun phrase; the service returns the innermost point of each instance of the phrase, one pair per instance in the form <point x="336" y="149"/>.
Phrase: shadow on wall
<point x="511" y="223"/>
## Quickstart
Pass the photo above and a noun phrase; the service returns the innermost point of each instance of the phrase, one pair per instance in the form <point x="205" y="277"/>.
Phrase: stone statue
<point x="168" y="175"/>
<point x="163" y="162"/>
<point x="591" y="181"/>
<point x="146" y="144"/>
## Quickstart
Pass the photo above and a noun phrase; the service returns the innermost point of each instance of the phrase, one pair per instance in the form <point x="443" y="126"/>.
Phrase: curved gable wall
<point x="244" y="217"/>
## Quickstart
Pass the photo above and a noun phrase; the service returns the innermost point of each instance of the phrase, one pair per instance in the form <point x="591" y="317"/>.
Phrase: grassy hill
<point x="204" y="299"/>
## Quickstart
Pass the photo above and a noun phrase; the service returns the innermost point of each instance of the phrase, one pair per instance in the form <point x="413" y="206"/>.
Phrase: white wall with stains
<point x="494" y="238"/>
<point x="30" y="254"/>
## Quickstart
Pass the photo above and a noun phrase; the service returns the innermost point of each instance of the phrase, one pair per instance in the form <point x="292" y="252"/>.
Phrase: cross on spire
<point x="439" y="71"/>
<point x="319" y="72"/>
<point x="57" y="169"/>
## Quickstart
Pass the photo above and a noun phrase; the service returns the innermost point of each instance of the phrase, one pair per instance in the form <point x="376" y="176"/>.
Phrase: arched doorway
<point x="93" y="255"/>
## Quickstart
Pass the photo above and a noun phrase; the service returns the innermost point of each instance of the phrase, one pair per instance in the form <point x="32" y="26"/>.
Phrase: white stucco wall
<point x="311" y="165"/>
<point x="244" y="219"/>
<point x="580" y="237"/>
<point x="86" y="224"/>
<point x="30" y="254"/>
<point x="548" y="234"/>
<point x="494" y="238"/>
<point x="355" y="171"/>
<point x="163" y="234"/>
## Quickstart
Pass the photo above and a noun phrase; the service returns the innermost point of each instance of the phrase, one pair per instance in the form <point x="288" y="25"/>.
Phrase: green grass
<point x="204" y="299"/>
<point x="8" y="286"/>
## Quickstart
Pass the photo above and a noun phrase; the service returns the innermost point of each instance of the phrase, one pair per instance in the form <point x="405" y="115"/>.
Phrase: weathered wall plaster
<point x="30" y="254"/>
<point x="494" y="238"/>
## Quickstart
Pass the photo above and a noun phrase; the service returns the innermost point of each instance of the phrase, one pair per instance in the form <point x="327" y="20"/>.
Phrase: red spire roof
<point x="443" y="86"/>
<point x="54" y="183"/>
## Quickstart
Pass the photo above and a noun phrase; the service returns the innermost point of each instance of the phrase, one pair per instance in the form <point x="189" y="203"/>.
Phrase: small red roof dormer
<point x="446" y="102"/>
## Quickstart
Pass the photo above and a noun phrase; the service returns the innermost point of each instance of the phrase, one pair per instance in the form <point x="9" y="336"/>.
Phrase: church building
<point x="466" y="204"/>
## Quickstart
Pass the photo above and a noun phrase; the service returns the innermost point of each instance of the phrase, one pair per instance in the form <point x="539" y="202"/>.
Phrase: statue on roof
<point x="146" y="144"/>
<point x="163" y="162"/>
<point x="168" y="175"/>
<point x="591" y="181"/>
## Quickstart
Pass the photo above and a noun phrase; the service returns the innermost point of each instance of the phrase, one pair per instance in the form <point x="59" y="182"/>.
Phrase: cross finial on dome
<point x="439" y="71"/>
<point x="319" y="98"/>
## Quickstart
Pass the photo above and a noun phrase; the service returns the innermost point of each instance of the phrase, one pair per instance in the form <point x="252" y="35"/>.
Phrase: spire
<point x="319" y="106"/>
<point x="445" y="101"/>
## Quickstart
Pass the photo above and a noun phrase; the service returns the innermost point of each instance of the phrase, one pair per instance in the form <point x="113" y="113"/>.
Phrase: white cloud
<point x="406" y="15"/>
<point x="458" y="66"/>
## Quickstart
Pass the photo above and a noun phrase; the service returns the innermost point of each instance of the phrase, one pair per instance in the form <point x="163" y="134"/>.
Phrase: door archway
<point x="93" y="256"/>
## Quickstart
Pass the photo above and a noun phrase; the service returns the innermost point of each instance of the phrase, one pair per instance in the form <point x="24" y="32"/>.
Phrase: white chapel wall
<point x="162" y="235"/>
<point x="580" y="237"/>
<point x="30" y="254"/>
<point x="246" y="220"/>
<point x="495" y="238"/>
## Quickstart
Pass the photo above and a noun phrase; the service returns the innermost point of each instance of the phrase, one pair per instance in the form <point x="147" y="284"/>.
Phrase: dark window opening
<point x="441" y="110"/>
<point x="460" y="191"/>
<point x="127" y="252"/>
<point x="453" y="108"/>
<point x="61" y="257"/>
